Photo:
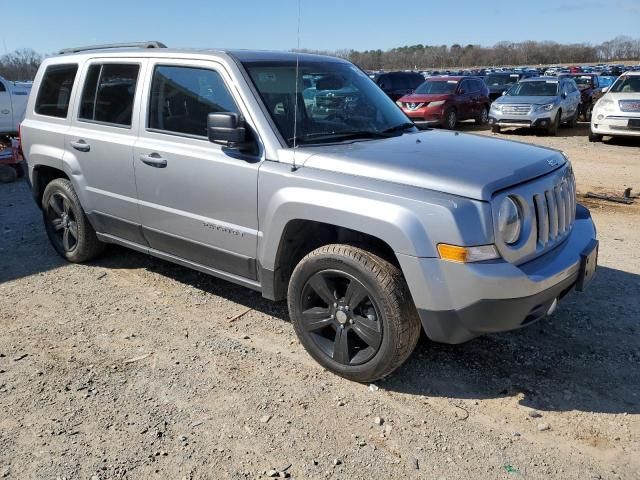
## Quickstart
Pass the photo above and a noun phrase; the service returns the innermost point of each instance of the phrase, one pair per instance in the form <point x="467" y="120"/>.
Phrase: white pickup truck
<point x="13" y="101"/>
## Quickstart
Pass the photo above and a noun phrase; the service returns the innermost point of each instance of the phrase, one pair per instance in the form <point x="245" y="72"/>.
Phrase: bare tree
<point x="20" y="65"/>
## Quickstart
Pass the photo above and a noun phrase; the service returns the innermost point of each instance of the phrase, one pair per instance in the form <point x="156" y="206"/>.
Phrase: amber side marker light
<point x="455" y="253"/>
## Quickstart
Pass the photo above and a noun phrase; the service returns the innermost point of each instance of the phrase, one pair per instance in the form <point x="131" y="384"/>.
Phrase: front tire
<point x="552" y="130"/>
<point x="352" y="311"/>
<point x="67" y="225"/>
<point x="594" y="137"/>
<point x="450" y="119"/>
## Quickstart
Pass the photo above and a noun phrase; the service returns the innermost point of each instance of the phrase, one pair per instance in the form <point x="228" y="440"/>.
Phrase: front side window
<point x="55" y="90"/>
<point x="182" y="98"/>
<point x="108" y="93"/>
<point x="627" y="84"/>
<point x="335" y="101"/>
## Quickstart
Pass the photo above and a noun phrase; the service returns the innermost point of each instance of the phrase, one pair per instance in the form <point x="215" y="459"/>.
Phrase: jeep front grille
<point x="555" y="212"/>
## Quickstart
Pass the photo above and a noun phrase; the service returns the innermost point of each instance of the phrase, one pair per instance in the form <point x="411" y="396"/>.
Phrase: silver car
<point x="371" y="229"/>
<point x="541" y="102"/>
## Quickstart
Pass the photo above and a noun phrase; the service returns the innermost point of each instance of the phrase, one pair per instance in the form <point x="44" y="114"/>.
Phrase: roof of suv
<point x="241" y="55"/>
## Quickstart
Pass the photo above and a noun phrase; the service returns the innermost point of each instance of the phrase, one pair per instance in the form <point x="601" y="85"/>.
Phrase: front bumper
<point x="426" y="116"/>
<point x="528" y="120"/>
<point x="457" y="302"/>
<point x="615" y="124"/>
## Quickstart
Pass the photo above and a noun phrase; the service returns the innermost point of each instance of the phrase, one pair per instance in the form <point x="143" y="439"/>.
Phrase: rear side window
<point x="108" y="93"/>
<point x="55" y="90"/>
<point x="182" y="97"/>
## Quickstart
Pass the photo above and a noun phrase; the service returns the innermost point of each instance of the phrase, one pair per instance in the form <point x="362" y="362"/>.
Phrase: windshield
<point x="499" y="80"/>
<point x="336" y="101"/>
<point x="437" y="86"/>
<point x="627" y="84"/>
<point x="548" y="88"/>
<point x="583" y="81"/>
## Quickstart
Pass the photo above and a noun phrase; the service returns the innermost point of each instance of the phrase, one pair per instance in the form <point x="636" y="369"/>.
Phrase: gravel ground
<point x="131" y="367"/>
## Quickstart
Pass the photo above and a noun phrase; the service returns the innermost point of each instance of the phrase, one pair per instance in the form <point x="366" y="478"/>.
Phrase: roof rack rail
<point x="152" y="44"/>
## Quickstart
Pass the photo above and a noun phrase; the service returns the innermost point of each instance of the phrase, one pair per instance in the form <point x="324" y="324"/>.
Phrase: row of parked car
<point x="519" y="99"/>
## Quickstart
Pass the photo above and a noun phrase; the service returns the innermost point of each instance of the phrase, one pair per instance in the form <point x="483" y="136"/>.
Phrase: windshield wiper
<point x="320" y="136"/>
<point x="399" y="128"/>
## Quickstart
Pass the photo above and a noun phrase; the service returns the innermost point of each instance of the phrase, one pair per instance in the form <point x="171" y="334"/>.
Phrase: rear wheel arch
<point x="42" y="176"/>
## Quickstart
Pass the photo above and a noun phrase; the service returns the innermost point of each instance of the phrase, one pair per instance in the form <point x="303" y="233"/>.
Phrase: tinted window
<point x="55" y="90"/>
<point x="108" y="93"/>
<point x="2" y="89"/>
<point x="478" y="85"/>
<point x="400" y="82"/>
<point x="182" y="97"/>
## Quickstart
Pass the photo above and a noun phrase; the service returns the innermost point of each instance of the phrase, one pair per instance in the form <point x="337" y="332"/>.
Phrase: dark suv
<point x="589" y="85"/>
<point x="447" y="100"/>
<point x="499" y="82"/>
<point x="397" y="84"/>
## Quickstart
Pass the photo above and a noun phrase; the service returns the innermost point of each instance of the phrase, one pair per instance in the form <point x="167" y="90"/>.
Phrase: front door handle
<point x="6" y="112"/>
<point x="81" y="146"/>
<point x="154" y="160"/>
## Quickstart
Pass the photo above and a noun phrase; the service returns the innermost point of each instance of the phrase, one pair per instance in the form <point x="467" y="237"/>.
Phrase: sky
<point x="47" y="26"/>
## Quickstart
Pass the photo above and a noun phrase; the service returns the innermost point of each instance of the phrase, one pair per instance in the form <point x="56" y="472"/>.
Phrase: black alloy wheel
<point x="61" y="222"/>
<point x="340" y="317"/>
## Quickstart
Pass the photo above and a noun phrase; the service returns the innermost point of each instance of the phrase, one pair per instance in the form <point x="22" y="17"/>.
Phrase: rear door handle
<point x="154" y="160"/>
<point x="81" y="146"/>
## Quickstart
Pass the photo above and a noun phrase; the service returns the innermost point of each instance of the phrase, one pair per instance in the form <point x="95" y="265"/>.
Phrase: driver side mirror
<point x="227" y="129"/>
<point x="605" y="89"/>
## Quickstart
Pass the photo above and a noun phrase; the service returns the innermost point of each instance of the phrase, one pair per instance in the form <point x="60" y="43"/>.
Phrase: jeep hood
<point x="467" y="165"/>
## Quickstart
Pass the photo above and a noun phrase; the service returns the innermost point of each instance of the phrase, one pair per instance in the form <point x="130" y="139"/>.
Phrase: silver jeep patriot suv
<point x="224" y="162"/>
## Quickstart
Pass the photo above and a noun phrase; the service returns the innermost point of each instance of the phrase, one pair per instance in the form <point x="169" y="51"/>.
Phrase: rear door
<point x="100" y="141"/>
<point x="198" y="200"/>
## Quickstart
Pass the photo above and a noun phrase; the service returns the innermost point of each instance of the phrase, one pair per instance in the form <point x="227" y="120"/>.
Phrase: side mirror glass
<point x="227" y="128"/>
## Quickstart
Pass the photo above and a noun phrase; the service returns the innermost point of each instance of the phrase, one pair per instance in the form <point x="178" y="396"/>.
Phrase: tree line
<point x="20" y="65"/>
<point x="23" y="64"/>
<point x="501" y="54"/>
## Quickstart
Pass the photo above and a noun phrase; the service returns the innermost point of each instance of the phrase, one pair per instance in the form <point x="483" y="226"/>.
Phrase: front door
<point x="198" y="200"/>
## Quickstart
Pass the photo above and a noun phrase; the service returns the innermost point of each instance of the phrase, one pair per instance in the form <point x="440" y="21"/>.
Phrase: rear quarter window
<point x="55" y="90"/>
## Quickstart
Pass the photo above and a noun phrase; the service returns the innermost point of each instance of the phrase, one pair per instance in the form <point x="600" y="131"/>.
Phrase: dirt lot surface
<point x="131" y="367"/>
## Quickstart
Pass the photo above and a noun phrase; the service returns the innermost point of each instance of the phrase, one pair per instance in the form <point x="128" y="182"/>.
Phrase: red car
<point x="447" y="100"/>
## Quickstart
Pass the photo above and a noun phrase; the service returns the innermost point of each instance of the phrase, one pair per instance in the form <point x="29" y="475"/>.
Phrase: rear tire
<point x="484" y="116"/>
<point x="19" y="168"/>
<point x="67" y="226"/>
<point x="7" y="174"/>
<point x="352" y="312"/>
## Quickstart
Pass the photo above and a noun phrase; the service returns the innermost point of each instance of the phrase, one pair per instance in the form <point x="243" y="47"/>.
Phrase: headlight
<point x="605" y="104"/>
<point x="509" y="220"/>
<point x="399" y="103"/>
<point x="546" y="108"/>
<point x="436" y="103"/>
<point x="496" y="106"/>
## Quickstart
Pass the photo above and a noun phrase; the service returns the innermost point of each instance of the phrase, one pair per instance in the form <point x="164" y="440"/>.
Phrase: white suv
<point x="617" y="113"/>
